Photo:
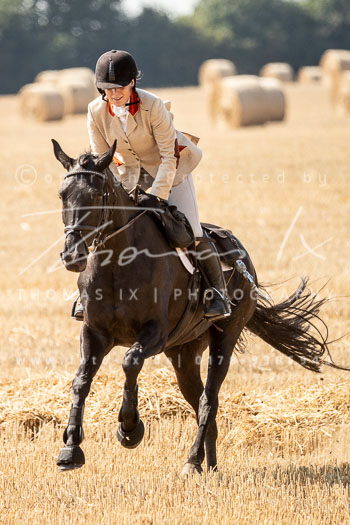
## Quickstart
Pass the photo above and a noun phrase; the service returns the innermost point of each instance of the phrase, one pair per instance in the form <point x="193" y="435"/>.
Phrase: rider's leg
<point x="216" y="297"/>
<point x="77" y="310"/>
<point x="183" y="196"/>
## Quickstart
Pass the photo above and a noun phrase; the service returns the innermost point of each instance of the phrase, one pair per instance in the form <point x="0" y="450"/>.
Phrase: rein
<point x="101" y="242"/>
<point x="98" y="240"/>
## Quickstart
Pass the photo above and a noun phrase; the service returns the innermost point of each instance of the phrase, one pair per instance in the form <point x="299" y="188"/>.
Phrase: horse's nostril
<point x="66" y="257"/>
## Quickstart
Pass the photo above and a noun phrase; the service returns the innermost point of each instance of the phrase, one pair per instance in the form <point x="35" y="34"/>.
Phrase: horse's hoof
<point x="133" y="438"/>
<point x="70" y="458"/>
<point x="190" y="470"/>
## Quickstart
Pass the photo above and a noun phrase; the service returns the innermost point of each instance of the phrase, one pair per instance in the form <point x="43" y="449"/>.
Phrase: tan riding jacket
<point x="149" y="143"/>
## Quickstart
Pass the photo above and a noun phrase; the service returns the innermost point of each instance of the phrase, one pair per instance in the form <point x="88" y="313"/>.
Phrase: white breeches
<point x="183" y="196"/>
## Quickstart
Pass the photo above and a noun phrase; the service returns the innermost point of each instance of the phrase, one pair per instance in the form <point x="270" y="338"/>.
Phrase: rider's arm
<point x="164" y="134"/>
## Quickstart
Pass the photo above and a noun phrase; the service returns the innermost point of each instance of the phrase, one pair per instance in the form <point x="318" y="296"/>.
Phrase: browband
<point x="84" y="172"/>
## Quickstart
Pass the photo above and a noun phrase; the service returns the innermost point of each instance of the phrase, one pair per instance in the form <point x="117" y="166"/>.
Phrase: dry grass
<point x="262" y="413"/>
<point x="284" y="432"/>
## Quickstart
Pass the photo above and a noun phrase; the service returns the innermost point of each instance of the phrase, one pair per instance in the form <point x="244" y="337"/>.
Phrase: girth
<point x="185" y="323"/>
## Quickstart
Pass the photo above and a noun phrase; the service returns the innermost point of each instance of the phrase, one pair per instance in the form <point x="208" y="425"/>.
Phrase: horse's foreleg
<point x="150" y="342"/>
<point x="131" y="429"/>
<point x="93" y="347"/>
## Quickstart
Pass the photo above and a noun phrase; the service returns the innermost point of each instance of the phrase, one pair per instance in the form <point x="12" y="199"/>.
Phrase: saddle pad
<point x="184" y="258"/>
<point x="185" y="261"/>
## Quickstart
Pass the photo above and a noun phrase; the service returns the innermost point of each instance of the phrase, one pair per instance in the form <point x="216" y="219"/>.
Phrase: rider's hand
<point x="147" y="200"/>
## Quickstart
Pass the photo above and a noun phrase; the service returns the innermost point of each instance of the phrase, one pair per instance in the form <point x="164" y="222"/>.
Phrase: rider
<point x="150" y="152"/>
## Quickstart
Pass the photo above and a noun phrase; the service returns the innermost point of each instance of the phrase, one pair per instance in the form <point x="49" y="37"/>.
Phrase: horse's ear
<point x="106" y="158"/>
<point x="61" y="156"/>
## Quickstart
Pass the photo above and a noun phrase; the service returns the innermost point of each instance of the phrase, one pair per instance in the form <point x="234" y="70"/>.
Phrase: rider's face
<point x="120" y="95"/>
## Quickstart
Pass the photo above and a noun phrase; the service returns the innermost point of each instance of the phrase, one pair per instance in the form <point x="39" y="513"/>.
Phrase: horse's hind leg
<point x="221" y="348"/>
<point x="186" y="361"/>
<point x="93" y="347"/>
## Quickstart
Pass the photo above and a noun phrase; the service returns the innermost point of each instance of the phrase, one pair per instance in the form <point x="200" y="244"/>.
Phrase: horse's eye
<point x="59" y="196"/>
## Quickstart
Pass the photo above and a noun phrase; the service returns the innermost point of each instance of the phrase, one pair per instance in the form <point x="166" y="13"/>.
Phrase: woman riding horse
<point x="150" y="152"/>
<point x="98" y="212"/>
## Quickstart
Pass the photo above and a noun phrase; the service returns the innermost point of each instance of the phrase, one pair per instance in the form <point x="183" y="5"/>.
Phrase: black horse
<point x="135" y="290"/>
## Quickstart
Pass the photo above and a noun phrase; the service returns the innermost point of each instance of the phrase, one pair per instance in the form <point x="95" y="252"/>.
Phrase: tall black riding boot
<point x="77" y="310"/>
<point x="217" y="303"/>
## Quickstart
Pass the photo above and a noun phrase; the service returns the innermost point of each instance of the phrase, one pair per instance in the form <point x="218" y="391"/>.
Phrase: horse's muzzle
<point x="74" y="255"/>
<point x="74" y="264"/>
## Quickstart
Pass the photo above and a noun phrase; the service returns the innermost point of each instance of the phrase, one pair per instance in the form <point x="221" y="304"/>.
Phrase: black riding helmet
<point x="115" y="69"/>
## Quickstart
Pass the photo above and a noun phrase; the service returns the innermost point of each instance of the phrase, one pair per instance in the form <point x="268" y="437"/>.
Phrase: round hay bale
<point x="309" y="74"/>
<point x="41" y="102"/>
<point x="211" y="70"/>
<point x="242" y="100"/>
<point x="78" y="72"/>
<point x="213" y="94"/>
<point x="80" y="76"/>
<point x="333" y="62"/>
<point x="47" y="77"/>
<point x="209" y="76"/>
<point x="344" y="93"/>
<point x="274" y="99"/>
<point x="77" y="94"/>
<point x="76" y="85"/>
<point x="280" y="70"/>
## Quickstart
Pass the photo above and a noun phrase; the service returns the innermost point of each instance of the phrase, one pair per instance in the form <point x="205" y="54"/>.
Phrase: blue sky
<point x="172" y="7"/>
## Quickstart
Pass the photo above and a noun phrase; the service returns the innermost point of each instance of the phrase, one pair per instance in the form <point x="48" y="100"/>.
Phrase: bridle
<point x="99" y="239"/>
<point x="102" y="222"/>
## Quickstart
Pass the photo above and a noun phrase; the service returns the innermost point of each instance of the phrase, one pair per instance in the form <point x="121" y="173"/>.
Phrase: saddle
<point x="228" y="247"/>
<point x="179" y="234"/>
<point x="178" y="231"/>
<point x="230" y="252"/>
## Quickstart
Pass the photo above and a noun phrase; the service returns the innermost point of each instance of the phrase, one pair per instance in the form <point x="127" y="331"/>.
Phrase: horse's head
<point x="83" y="208"/>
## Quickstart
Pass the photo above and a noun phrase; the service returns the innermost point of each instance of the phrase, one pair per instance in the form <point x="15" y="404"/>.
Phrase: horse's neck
<point x="122" y="206"/>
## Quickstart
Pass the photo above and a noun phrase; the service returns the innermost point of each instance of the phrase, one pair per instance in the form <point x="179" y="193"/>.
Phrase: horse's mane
<point x="86" y="159"/>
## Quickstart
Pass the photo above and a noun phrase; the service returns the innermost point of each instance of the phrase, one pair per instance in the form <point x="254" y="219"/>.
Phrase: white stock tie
<point x="122" y="113"/>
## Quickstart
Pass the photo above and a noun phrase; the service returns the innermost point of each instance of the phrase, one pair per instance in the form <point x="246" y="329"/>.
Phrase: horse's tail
<point x="287" y="327"/>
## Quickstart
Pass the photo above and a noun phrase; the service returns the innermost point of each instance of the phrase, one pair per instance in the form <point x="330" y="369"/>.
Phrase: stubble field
<point x="283" y="432"/>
